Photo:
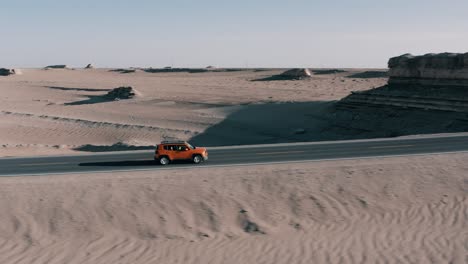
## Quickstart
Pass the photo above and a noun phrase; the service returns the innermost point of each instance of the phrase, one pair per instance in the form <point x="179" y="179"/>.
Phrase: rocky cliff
<point x="443" y="69"/>
<point x="425" y="94"/>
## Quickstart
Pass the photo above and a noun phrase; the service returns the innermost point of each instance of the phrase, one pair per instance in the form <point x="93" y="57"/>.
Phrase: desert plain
<point x="61" y="111"/>
<point x="378" y="210"/>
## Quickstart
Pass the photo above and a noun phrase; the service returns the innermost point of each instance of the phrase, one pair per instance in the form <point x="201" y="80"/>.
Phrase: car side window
<point x="180" y="148"/>
<point x="176" y="147"/>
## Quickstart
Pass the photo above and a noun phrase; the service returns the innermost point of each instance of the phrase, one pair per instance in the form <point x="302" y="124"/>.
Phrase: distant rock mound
<point x="297" y="74"/>
<point x="121" y="93"/>
<point x="169" y="69"/>
<point x="56" y="67"/>
<point x="6" y="72"/>
<point x="430" y="69"/>
<point x="89" y="66"/>
<point x="123" y="70"/>
<point x="293" y="74"/>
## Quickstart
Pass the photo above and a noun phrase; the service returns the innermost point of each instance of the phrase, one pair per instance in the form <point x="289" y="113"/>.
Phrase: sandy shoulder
<point x="395" y="209"/>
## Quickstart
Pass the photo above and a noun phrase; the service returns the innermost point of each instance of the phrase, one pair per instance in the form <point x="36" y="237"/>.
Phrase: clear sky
<point x="234" y="33"/>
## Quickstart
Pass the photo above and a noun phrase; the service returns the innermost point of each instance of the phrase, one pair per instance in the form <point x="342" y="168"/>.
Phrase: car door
<point x="182" y="152"/>
<point x="173" y="153"/>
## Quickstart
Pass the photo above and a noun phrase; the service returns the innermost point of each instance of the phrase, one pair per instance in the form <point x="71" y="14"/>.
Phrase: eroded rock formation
<point x="121" y="93"/>
<point x="430" y="69"/>
<point x="6" y="72"/>
<point x="297" y="74"/>
<point x="56" y="67"/>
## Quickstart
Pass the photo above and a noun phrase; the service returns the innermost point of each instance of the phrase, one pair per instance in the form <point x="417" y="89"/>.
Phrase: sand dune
<point x="395" y="210"/>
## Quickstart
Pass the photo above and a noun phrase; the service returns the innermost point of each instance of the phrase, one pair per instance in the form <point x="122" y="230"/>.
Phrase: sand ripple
<point x="391" y="211"/>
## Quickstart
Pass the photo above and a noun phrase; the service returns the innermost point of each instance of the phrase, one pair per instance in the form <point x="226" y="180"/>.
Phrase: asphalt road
<point x="130" y="161"/>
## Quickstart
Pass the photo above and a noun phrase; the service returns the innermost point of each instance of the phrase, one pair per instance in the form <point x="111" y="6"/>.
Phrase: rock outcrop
<point x="431" y="69"/>
<point x="56" y="67"/>
<point x="425" y="95"/>
<point x="6" y="72"/>
<point x="123" y="70"/>
<point x="289" y="75"/>
<point x="121" y="93"/>
<point x="296" y="74"/>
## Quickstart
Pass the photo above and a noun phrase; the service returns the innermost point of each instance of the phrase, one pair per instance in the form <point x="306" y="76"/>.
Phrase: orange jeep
<point x="169" y="151"/>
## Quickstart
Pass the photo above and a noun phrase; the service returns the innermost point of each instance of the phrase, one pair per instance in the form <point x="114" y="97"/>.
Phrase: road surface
<point x="228" y="156"/>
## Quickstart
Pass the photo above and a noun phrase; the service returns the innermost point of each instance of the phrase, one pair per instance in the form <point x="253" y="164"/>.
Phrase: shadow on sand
<point x="279" y="77"/>
<point x="328" y="71"/>
<point x="92" y="99"/>
<point x="369" y="74"/>
<point x="115" y="147"/>
<point x="77" y="89"/>
<point x="267" y="123"/>
<point x="192" y="70"/>
<point x="323" y="121"/>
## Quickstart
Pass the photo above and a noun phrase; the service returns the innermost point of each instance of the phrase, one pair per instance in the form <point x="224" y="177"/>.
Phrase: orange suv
<point x="169" y="151"/>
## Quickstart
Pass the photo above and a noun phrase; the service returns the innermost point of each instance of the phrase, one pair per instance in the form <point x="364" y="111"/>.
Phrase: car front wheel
<point x="197" y="159"/>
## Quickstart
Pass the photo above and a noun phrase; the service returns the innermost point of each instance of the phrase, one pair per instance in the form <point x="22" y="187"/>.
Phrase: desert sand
<point x="58" y="111"/>
<point x="387" y="210"/>
<point x="393" y="210"/>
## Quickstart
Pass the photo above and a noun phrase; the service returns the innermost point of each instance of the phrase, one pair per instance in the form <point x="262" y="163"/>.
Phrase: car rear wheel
<point x="163" y="161"/>
<point x="197" y="159"/>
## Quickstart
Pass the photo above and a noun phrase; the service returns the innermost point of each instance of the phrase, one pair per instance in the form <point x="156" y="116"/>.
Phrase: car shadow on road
<point x="129" y="163"/>
<point x="123" y="163"/>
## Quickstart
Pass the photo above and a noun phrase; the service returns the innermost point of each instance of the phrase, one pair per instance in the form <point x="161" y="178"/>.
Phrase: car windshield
<point x="190" y="146"/>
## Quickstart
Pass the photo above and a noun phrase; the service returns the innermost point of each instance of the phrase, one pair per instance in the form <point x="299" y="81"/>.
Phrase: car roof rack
<point x="173" y="142"/>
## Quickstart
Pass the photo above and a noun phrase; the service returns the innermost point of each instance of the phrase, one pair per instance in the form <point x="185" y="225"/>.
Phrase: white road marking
<point x="397" y="146"/>
<point x="279" y="152"/>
